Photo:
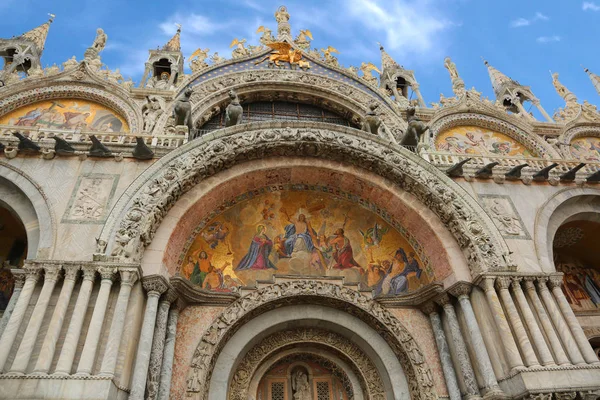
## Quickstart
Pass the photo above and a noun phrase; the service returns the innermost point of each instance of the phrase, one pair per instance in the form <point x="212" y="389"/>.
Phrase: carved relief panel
<point x="90" y="199"/>
<point x="505" y="216"/>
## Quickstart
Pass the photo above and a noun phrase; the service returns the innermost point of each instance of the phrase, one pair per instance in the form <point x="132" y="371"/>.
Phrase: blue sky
<point x="523" y="39"/>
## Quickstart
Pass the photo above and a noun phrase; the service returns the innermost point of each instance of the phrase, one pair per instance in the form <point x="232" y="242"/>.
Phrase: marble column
<point x="513" y="357"/>
<point x="19" y="276"/>
<point x="147" y="69"/>
<point x="431" y="310"/>
<point x="586" y="349"/>
<point x="164" y="388"/>
<point x="14" y="323"/>
<point x="158" y="345"/>
<point x="502" y="283"/>
<point x="51" y="276"/>
<point x="128" y="278"/>
<point x="462" y="291"/>
<point x="92" y="339"/>
<point x="67" y="355"/>
<point x="559" y="323"/>
<point x="559" y="353"/>
<point x="155" y="285"/>
<point x="49" y="345"/>
<point x="536" y="334"/>
<point x="466" y="368"/>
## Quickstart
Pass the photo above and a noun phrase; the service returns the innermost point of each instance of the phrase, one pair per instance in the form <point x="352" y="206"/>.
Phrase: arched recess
<point x="568" y="204"/>
<point x="135" y="217"/>
<point x="27" y="200"/>
<point x="378" y="333"/>
<point x="434" y="244"/>
<point x="580" y="131"/>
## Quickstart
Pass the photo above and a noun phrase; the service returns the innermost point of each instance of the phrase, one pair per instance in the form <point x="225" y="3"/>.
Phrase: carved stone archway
<point x="137" y="214"/>
<point x="258" y="302"/>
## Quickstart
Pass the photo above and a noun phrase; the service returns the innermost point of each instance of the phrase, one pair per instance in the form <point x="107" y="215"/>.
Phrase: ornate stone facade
<point x="160" y="258"/>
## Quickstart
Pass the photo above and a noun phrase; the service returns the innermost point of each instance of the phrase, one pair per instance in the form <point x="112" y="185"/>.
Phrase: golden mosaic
<point x="476" y="140"/>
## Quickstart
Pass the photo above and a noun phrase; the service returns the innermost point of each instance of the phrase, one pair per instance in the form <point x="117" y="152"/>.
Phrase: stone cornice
<point x="411" y="299"/>
<point x="192" y="295"/>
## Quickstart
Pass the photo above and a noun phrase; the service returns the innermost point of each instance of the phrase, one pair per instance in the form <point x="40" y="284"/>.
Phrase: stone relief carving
<point x="505" y="216"/>
<point x="234" y="111"/>
<point x="152" y="109"/>
<point x="90" y="199"/>
<point x="398" y="338"/>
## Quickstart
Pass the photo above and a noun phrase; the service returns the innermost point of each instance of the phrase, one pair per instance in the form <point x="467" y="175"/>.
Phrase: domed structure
<point x="276" y="226"/>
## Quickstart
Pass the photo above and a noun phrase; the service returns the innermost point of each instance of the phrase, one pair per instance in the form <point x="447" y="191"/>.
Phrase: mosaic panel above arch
<point x="586" y="148"/>
<point x="303" y="230"/>
<point x="476" y="140"/>
<point x="68" y="114"/>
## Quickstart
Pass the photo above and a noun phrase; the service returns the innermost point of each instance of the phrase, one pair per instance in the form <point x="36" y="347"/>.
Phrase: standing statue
<point x="234" y="111"/>
<point x="560" y="88"/>
<point x="281" y="15"/>
<point x="151" y="112"/>
<point x="182" y="110"/>
<point x="451" y="67"/>
<point x="300" y="386"/>
<point x="100" y="41"/>
<point x="372" y="122"/>
<point x="416" y="128"/>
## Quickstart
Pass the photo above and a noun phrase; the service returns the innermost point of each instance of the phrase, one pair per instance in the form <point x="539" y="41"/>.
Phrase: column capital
<point x="19" y="276"/>
<point x="429" y="308"/>
<point x="461" y="289"/>
<point x="502" y="282"/>
<point x="529" y="282"/>
<point x="129" y="276"/>
<point x="155" y="284"/>
<point x="542" y="283"/>
<point x="443" y="300"/>
<point x="71" y="272"/>
<point x="487" y="283"/>
<point x="171" y="296"/>
<point x="515" y="282"/>
<point x="52" y="272"/>
<point x="89" y="272"/>
<point x="555" y="281"/>
<point x="107" y="273"/>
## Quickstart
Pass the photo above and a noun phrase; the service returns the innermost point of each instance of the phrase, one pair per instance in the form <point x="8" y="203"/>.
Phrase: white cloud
<point x="548" y="39"/>
<point x="192" y="23"/>
<point x="406" y="25"/>
<point x="520" y="22"/>
<point x="590" y="6"/>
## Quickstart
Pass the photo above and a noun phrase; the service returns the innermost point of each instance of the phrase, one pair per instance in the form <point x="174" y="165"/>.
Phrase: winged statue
<point x="329" y="58"/>
<point x="283" y="52"/>
<point x="240" y="50"/>
<point x="267" y="36"/>
<point x="302" y="39"/>
<point x="198" y="59"/>
<point x="367" y="69"/>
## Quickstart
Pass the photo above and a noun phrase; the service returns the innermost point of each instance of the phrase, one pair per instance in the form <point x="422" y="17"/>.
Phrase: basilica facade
<point x="277" y="226"/>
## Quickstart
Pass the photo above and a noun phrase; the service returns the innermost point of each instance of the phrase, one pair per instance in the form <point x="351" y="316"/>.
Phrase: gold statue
<point x="367" y="70"/>
<point x="302" y="39"/>
<point x="198" y="59"/>
<point x="284" y="52"/>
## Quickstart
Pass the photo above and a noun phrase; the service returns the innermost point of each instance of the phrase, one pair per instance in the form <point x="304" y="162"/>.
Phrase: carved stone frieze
<point x="391" y="330"/>
<point x="565" y="395"/>
<point x="364" y="367"/>
<point x="165" y="182"/>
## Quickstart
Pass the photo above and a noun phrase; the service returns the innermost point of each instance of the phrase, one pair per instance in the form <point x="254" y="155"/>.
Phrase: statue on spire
<point x="562" y="90"/>
<point x="458" y="85"/>
<point x="594" y="78"/>
<point x="93" y="52"/>
<point x="283" y="23"/>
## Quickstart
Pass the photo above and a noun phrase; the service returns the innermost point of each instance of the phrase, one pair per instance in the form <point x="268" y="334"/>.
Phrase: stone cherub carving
<point x="415" y="129"/>
<point x="372" y="122"/>
<point x="234" y="111"/>
<point x="182" y="110"/>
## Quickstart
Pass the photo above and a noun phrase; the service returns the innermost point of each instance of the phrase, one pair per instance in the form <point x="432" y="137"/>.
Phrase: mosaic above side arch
<point x="479" y="134"/>
<point x="305" y="230"/>
<point x="582" y="143"/>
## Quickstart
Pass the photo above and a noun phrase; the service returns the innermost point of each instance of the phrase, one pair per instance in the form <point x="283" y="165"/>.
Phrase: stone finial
<point x="594" y="78"/>
<point x="387" y="62"/>
<point x="497" y="78"/>
<point x="175" y="43"/>
<point x="460" y="289"/>
<point x="39" y="34"/>
<point x="155" y="284"/>
<point x="429" y="308"/>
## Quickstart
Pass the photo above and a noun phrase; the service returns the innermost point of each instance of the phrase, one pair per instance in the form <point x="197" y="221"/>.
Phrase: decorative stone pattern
<point x="505" y="216"/>
<point x="399" y="339"/>
<point x="90" y="199"/>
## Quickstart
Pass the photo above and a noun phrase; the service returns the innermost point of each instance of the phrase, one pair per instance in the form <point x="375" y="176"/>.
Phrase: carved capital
<point x="443" y="300"/>
<point x="170" y="296"/>
<point x="487" y="283"/>
<point x="502" y="283"/>
<point x="128" y="276"/>
<point x="542" y="283"/>
<point x="461" y="289"/>
<point x="71" y="272"/>
<point x="52" y="272"/>
<point x="565" y="395"/>
<point x="429" y="308"/>
<point x="515" y="283"/>
<point x="155" y="284"/>
<point x="529" y="282"/>
<point x="555" y="281"/>
<point x="107" y="273"/>
<point x="19" y="276"/>
<point x="89" y="273"/>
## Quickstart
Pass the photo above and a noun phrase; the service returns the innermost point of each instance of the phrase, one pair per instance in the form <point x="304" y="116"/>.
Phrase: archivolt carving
<point x="530" y="140"/>
<point x="391" y="330"/>
<point x="156" y="191"/>
<point x="240" y="384"/>
<point x="573" y="133"/>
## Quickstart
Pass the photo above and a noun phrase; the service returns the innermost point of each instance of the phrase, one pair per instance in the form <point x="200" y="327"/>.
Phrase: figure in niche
<point x="151" y="111"/>
<point x="297" y="234"/>
<point x="258" y="254"/>
<point x="300" y="386"/>
<point x="234" y="111"/>
<point x="163" y="82"/>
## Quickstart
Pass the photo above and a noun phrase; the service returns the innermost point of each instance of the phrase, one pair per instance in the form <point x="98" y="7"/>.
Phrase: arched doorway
<point x="13" y="251"/>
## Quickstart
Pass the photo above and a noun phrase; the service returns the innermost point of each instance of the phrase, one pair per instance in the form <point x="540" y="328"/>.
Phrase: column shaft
<point x="49" y="345"/>
<point x="559" y="323"/>
<point x="559" y="353"/>
<point x="510" y="346"/>
<point x="164" y="388"/>
<point x="109" y="363"/>
<point x="88" y="355"/>
<point x="517" y="324"/>
<point x="586" y="349"/>
<point x="158" y="345"/>
<point x="14" y="323"/>
<point x="534" y="329"/>
<point x="19" y="276"/>
<point x="461" y="351"/>
<point x="23" y="355"/>
<point x="445" y="357"/>
<point x="140" y="372"/>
